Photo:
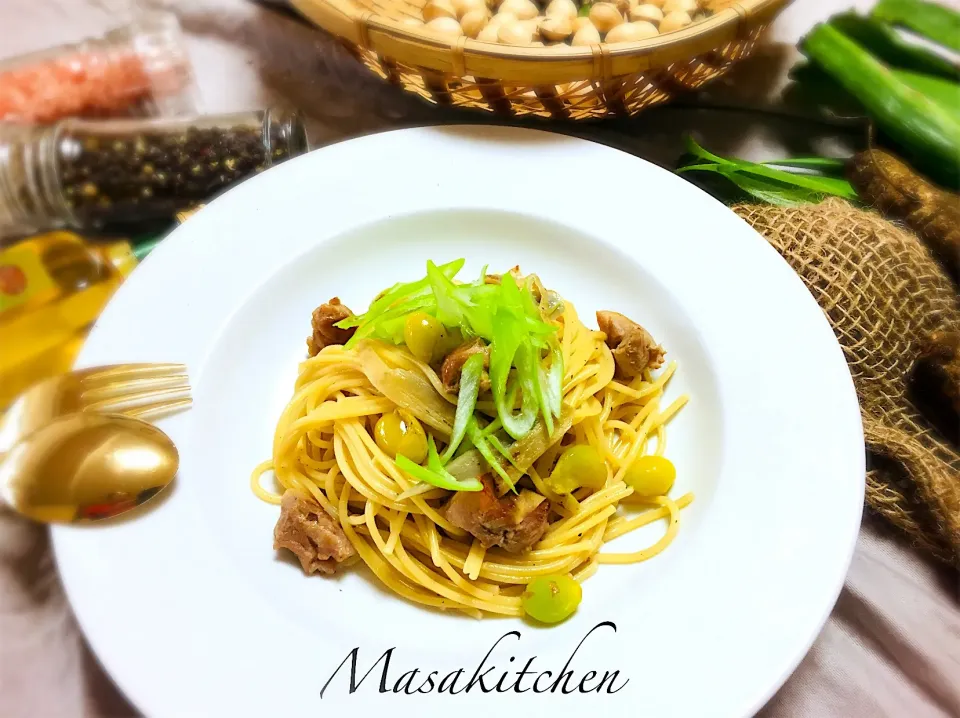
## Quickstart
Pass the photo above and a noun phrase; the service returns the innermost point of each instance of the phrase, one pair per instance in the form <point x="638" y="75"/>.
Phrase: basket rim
<point x="464" y="56"/>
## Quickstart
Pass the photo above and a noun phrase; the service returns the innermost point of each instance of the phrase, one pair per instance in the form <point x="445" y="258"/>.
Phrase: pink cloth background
<point x="891" y="648"/>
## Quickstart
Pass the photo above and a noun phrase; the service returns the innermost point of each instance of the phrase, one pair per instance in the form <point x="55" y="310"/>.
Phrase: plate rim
<point x="465" y="135"/>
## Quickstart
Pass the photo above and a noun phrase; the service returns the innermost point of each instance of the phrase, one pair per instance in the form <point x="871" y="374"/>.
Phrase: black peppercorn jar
<point x="97" y="174"/>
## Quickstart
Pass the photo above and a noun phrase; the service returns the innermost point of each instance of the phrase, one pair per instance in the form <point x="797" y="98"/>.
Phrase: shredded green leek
<point x="434" y="472"/>
<point x="480" y="443"/>
<point x="524" y="353"/>
<point x="466" y="402"/>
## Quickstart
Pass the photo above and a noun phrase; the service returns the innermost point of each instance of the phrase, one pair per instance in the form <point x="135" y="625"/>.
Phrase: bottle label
<point x="22" y="277"/>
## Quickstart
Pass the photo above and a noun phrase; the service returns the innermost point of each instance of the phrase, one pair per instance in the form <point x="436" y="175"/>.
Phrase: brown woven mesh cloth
<point x="883" y="294"/>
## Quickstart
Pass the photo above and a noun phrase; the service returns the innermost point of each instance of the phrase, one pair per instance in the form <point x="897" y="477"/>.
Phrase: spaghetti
<point x="325" y="451"/>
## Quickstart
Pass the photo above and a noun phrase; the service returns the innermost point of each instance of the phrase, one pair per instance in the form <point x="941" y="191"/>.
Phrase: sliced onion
<point x="408" y="390"/>
<point x="535" y="444"/>
<point x="469" y="465"/>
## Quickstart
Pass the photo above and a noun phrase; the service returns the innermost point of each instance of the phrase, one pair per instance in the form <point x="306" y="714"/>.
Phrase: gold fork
<point x="142" y="391"/>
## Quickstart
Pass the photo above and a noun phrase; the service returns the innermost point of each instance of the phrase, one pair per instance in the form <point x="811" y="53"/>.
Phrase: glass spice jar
<point x="137" y="70"/>
<point x="89" y="174"/>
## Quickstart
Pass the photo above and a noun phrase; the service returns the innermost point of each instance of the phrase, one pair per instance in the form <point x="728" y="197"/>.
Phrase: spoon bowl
<point x="86" y="466"/>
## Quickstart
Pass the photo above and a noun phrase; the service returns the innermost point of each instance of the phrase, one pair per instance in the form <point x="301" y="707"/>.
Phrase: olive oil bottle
<point x="52" y="287"/>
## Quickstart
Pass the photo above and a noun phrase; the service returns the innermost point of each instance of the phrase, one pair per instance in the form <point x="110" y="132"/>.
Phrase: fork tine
<point x="135" y="387"/>
<point x="114" y="403"/>
<point x="152" y="412"/>
<point x="110" y="374"/>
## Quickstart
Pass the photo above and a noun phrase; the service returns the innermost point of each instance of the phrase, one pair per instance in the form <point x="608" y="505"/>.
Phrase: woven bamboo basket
<point x="567" y="82"/>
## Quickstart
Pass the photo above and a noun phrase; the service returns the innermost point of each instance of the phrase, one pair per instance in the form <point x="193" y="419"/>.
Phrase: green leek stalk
<point x="943" y="92"/>
<point x="935" y="22"/>
<point x="822" y="90"/>
<point x="886" y="44"/>
<point x="927" y="132"/>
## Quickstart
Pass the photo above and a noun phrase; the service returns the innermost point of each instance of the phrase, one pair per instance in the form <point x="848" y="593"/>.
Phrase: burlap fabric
<point x="883" y="294"/>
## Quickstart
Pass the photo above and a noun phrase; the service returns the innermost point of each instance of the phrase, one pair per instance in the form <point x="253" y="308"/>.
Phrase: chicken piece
<point x="324" y="332"/>
<point x="453" y="365"/>
<point x="633" y="348"/>
<point x="514" y="522"/>
<point x="312" y="534"/>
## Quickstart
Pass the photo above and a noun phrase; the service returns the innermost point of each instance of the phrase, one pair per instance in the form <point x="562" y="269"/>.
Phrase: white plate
<point x="191" y="610"/>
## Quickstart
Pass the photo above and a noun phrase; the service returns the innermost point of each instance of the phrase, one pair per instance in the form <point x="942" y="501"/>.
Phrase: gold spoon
<point x="86" y="466"/>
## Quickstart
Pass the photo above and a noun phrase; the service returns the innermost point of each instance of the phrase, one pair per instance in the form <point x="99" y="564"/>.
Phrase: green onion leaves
<point x="466" y="402"/>
<point x="395" y="303"/>
<point x="481" y="444"/>
<point x="764" y="181"/>
<point x="434" y="472"/>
